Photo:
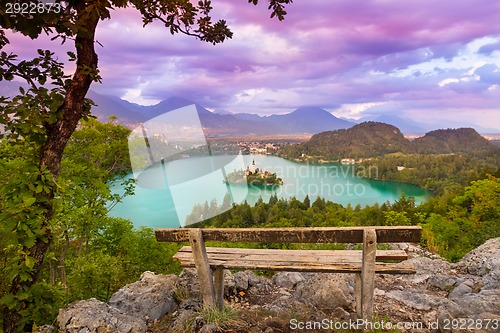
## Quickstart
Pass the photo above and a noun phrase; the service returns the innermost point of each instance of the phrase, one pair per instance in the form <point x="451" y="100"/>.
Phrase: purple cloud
<point x="421" y="55"/>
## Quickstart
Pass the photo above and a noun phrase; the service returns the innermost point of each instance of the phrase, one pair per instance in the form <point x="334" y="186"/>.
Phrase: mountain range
<point x="305" y="120"/>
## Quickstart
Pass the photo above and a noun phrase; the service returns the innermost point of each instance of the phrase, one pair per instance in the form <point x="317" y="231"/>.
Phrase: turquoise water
<point x="174" y="195"/>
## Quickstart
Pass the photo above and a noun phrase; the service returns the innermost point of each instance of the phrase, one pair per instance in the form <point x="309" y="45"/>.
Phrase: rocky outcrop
<point x="468" y="291"/>
<point x="440" y="292"/>
<point x="92" y="316"/>
<point x="150" y="298"/>
<point x="129" y="310"/>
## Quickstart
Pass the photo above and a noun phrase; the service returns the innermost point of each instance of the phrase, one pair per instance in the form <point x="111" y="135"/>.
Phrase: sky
<point x="427" y="60"/>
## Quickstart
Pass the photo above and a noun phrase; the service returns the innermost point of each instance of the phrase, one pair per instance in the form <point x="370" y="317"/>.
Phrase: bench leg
<point x="219" y="287"/>
<point x="358" y="294"/>
<point x="202" y="267"/>
<point x="368" y="273"/>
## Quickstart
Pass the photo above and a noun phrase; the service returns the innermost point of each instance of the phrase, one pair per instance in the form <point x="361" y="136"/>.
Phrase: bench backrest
<point x="393" y="234"/>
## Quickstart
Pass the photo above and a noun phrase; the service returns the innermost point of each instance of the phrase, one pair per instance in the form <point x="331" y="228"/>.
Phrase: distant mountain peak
<point x="173" y="103"/>
<point x="309" y="110"/>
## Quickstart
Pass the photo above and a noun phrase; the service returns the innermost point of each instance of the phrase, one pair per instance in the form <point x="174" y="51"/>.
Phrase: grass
<point x="222" y="319"/>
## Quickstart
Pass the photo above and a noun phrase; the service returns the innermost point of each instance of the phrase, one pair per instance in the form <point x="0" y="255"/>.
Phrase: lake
<point x="168" y="192"/>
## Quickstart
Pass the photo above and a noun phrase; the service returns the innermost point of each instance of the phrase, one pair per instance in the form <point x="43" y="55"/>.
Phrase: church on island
<point x="257" y="176"/>
<point x="254" y="176"/>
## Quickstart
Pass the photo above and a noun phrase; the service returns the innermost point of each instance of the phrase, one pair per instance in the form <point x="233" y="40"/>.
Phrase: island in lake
<point x="254" y="176"/>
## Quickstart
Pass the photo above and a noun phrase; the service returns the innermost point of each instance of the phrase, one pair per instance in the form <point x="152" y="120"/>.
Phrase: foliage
<point x="439" y="173"/>
<point x="469" y="220"/>
<point x="91" y="255"/>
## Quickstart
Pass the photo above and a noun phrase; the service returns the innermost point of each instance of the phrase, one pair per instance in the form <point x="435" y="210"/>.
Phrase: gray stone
<point x="340" y="313"/>
<point x="459" y="291"/>
<point x="327" y="291"/>
<point x="287" y="279"/>
<point x="93" y="316"/>
<point x="241" y="281"/>
<point x="150" y="298"/>
<point x="208" y="328"/>
<point x="46" y="329"/>
<point x="188" y="279"/>
<point x="415" y="299"/>
<point x="442" y="282"/>
<point x="484" y="261"/>
<point x="198" y="324"/>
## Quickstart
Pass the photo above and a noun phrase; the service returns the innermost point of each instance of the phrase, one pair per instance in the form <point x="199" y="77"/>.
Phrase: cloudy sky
<point x="426" y="59"/>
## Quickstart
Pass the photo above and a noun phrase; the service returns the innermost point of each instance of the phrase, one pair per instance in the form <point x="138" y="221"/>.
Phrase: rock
<point x="287" y="279"/>
<point x="484" y="261"/>
<point x="150" y="298"/>
<point x="188" y="280"/>
<point x="442" y="282"/>
<point x="208" y="328"/>
<point x="198" y="324"/>
<point x="460" y="291"/>
<point x="46" y="329"/>
<point x="340" y="313"/>
<point x="93" y="316"/>
<point x="327" y="291"/>
<point x="415" y="299"/>
<point x="241" y="281"/>
<point x="475" y="304"/>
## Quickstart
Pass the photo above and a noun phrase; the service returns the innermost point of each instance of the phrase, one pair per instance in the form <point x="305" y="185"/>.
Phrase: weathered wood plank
<point x="294" y="255"/>
<point x="380" y="268"/>
<point x="200" y="261"/>
<point x="358" y="294"/>
<point x="368" y="274"/>
<point x="295" y="235"/>
<point x="219" y="287"/>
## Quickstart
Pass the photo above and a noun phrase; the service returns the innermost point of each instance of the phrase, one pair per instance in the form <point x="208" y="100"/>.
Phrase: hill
<point x="363" y="140"/>
<point x="448" y="141"/>
<point x="371" y="139"/>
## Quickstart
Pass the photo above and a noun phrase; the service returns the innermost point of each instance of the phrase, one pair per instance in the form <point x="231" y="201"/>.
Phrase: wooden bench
<point x="210" y="262"/>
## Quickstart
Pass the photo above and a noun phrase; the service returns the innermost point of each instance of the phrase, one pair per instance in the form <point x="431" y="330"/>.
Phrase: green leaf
<point x="9" y="301"/>
<point x="29" y="202"/>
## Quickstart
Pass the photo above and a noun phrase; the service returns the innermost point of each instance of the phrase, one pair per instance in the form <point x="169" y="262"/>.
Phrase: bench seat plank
<point x="293" y="255"/>
<point x="339" y="261"/>
<point x="380" y="268"/>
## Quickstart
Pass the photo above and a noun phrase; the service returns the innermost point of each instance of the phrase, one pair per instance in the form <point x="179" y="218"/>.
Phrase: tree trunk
<point x="58" y="134"/>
